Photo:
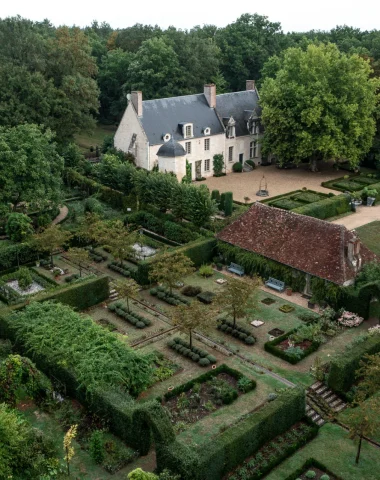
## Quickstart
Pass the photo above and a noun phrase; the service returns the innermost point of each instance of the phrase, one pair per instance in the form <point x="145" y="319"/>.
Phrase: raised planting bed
<point x="286" y="308"/>
<point x="312" y="465"/>
<point x="11" y="292"/>
<point x="123" y="269"/>
<point x="206" y="297"/>
<point x="194" y="400"/>
<point x="104" y="322"/>
<point x="164" y="368"/>
<point x="275" y="452"/>
<point x="172" y="298"/>
<point x="241" y="333"/>
<point x="292" y="353"/>
<point x="139" y="321"/>
<point x="268" y="301"/>
<point x="197" y="355"/>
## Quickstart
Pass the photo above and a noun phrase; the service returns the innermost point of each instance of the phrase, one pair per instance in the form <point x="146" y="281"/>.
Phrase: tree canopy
<point x="319" y="106"/>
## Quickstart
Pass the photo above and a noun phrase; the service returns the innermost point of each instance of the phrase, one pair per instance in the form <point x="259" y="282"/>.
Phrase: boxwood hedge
<point x="271" y="347"/>
<point x="326" y="208"/>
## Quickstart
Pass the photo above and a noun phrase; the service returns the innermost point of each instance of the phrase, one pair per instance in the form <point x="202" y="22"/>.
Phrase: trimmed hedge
<point x="243" y="334"/>
<point x="343" y="366"/>
<point x="172" y="298"/>
<point x="213" y="460"/>
<point x="122" y="268"/>
<point x="271" y="347"/>
<point x="311" y="462"/>
<point x="208" y="376"/>
<point x="20" y="253"/>
<point x="202" y="357"/>
<point x="139" y="321"/>
<point x="326" y="208"/>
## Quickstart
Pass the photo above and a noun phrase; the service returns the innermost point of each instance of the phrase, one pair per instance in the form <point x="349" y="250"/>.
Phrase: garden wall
<point x="231" y="447"/>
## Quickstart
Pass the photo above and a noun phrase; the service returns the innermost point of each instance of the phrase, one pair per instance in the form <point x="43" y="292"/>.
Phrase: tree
<point x="363" y="421"/>
<point x="218" y="164"/>
<point x="117" y="239"/>
<point x="30" y="167"/>
<point x="369" y="375"/>
<point x="237" y="296"/>
<point x="200" y="205"/>
<point x="51" y="239"/>
<point x="127" y="289"/>
<point x="18" y="227"/>
<point x="170" y="268"/>
<point x="68" y="447"/>
<point x="79" y="256"/>
<point x="191" y="317"/>
<point x="319" y="106"/>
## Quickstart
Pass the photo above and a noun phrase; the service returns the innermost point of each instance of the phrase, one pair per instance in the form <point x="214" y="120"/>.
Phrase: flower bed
<point x="121" y="268"/>
<point x="201" y="396"/>
<point x="268" y="301"/>
<point x="243" y="334"/>
<point x="293" y="353"/>
<point x="172" y="298"/>
<point x="202" y="357"/>
<point x="139" y="321"/>
<point x="275" y="452"/>
<point x="206" y="297"/>
<point x="286" y="308"/>
<point x="312" y="465"/>
<point x="348" y="319"/>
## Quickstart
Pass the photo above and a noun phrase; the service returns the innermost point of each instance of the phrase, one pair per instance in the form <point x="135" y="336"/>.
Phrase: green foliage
<point x="139" y="474"/>
<point x="30" y="167"/>
<point x="170" y="268"/>
<point x="215" y="195"/>
<point x="222" y="202"/>
<point x="314" y="86"/>
<point x="310" y="474"/>
<point x="293" y="354"/>
<point x="96" y="446"/>
<point x="326" y="208"/>
<point x="237" y="167"/>
<point x="218" y="164"/>
<point x="232" y="447"/>
<point x="228" y="203"/>
<point x="285" y="204"/>
<point x="24" y="278"/>
<point x="18" y="227"/>
<point x="344" y="365"/>
<point x="92" y="205"/>
<point x="206" y="271"/>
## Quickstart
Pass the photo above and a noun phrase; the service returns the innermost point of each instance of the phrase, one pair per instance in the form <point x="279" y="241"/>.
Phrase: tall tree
<point x="237" y="296"/>
<point x="79" y="256"/>
<point x="127" y="289"/>
<point x="51" y="239"/>
<point x="191" y="317"/>
<point x="319" y="106"/>
<point x="30" y="167"/>
<point x="369" y="376"/>
<point x="170" y="268"/>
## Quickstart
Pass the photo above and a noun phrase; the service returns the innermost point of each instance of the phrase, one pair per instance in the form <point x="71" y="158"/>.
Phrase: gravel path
<point x="362" y="216"/>
<point x="279" y="181"/>
<point x="63" y="212"/>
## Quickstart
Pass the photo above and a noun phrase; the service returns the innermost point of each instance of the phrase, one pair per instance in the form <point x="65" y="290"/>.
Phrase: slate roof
<point x="171" y="149"/>
<point x="305" y="243"/>
<point x="239" y="105"/>
<point x="165" y="114"/>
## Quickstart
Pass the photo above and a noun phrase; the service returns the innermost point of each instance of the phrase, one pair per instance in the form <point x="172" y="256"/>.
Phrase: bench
<point x="275" y="284"/>
<point x="235" y="268"/>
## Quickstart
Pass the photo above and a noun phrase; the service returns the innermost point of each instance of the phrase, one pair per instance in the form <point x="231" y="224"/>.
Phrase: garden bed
<point x="275" y="452"/>
<point x="312" y="465"/>
<point x="139" y="321"/>
<point x="241" y="333"/>
<point x="291" y="352"/>
<point x="194" y="400"/>
<point x="172" y="298"/>
<point x="121" y="268"/>
<point x="268" y="301"/>
<point x="197" y="355"/>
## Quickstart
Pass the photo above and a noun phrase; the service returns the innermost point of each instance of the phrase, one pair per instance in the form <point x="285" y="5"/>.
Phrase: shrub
<point x="325" y="477"/>
<point x="272" y="396"/>
<point x="92" y="205"/>
<point x="211" y="358"/>
<point x="96" y="446"/>
<point x="326" y="208"/>
<point x="285" y="204"/>
<point x="293" y="354"/>
<point x="24" y="278"/>
<point x="191" y="291"/>
<point x="310" y="474"/>
<point x="228" y="204"/>
<point x="215" y="195"/>
<point x="206" y="271"/>
<point x="204" y="362"/>
<point x="206" y="297"/>
<point x="18" y="227"/>
<point x="222" y="201"/>
<point x="237" y="167"/>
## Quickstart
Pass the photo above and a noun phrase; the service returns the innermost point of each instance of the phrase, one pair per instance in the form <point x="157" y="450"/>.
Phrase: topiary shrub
<point x="237" y="167"/>
<point x="228" y="204"/>
<point x="204" y="362"/>
<point x="310" y="474"/>
<point x="191" y="291"/>
<point x="211" y="358"/>
<point x="96" y="446"/>
<point x="325" y="477"/>
<point x="215" y="195"/>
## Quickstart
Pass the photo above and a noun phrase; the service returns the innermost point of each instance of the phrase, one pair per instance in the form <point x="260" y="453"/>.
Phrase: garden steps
<point x="314" y="416"/>
<point x="325" y="398"/>
<point x="114" y="295"/>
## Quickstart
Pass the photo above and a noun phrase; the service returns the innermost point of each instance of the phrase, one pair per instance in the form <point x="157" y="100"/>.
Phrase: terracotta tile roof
<point x="305" y="243"/>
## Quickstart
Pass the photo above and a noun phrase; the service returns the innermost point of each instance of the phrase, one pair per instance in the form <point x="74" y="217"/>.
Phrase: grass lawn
<point x="85" y="140"/>
<point x="337" y="452"/>
<point x="370" y="235"/>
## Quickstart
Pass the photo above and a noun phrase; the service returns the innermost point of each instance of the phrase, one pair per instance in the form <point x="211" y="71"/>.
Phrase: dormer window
<point x="166" y="137"/>
<point x="230" y="130"/>
<point x="207" y="131"/>
<point x="253" y="125"/>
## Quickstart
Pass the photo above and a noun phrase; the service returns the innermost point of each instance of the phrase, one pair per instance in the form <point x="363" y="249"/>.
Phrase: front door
<point x="241" y="156"/>
<point x="198" y="169"/>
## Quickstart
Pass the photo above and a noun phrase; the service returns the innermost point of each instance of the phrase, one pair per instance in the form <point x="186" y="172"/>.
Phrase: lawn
<point x="337" y="452"/>
<point x="370" y="235"/>
<point x="85" y="140"/>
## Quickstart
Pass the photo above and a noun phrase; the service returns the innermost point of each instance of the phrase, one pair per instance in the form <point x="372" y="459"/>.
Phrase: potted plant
<point x="311" y="303"/>
<point x="371" y="197"/>
<point x="219" y="266"/>
<point x="356" y="198"/>
<point x="289" y="291"/>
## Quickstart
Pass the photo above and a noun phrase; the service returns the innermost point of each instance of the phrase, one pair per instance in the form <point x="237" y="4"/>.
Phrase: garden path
<point x="362" y="216"/>
<point x="63" y="212"/>
<point x="279" y="181"/>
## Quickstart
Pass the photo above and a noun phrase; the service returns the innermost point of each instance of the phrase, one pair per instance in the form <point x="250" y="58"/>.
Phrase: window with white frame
<point x="253" y="150"/>
<point x="188" y="130"/>
<point x="207" y="144"/>
<point x="207" y="165"/>
<point x="230" y="154"/>
<point x="188" y="147"/>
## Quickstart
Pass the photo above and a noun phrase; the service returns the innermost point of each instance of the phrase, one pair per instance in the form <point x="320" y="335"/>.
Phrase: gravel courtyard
<point x="279" y="181"/>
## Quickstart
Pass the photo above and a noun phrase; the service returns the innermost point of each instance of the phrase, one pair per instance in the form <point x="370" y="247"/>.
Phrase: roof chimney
<point x="136" y="99"/>
<point x="250" y="85"/>
<point x="210" y="94"/>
